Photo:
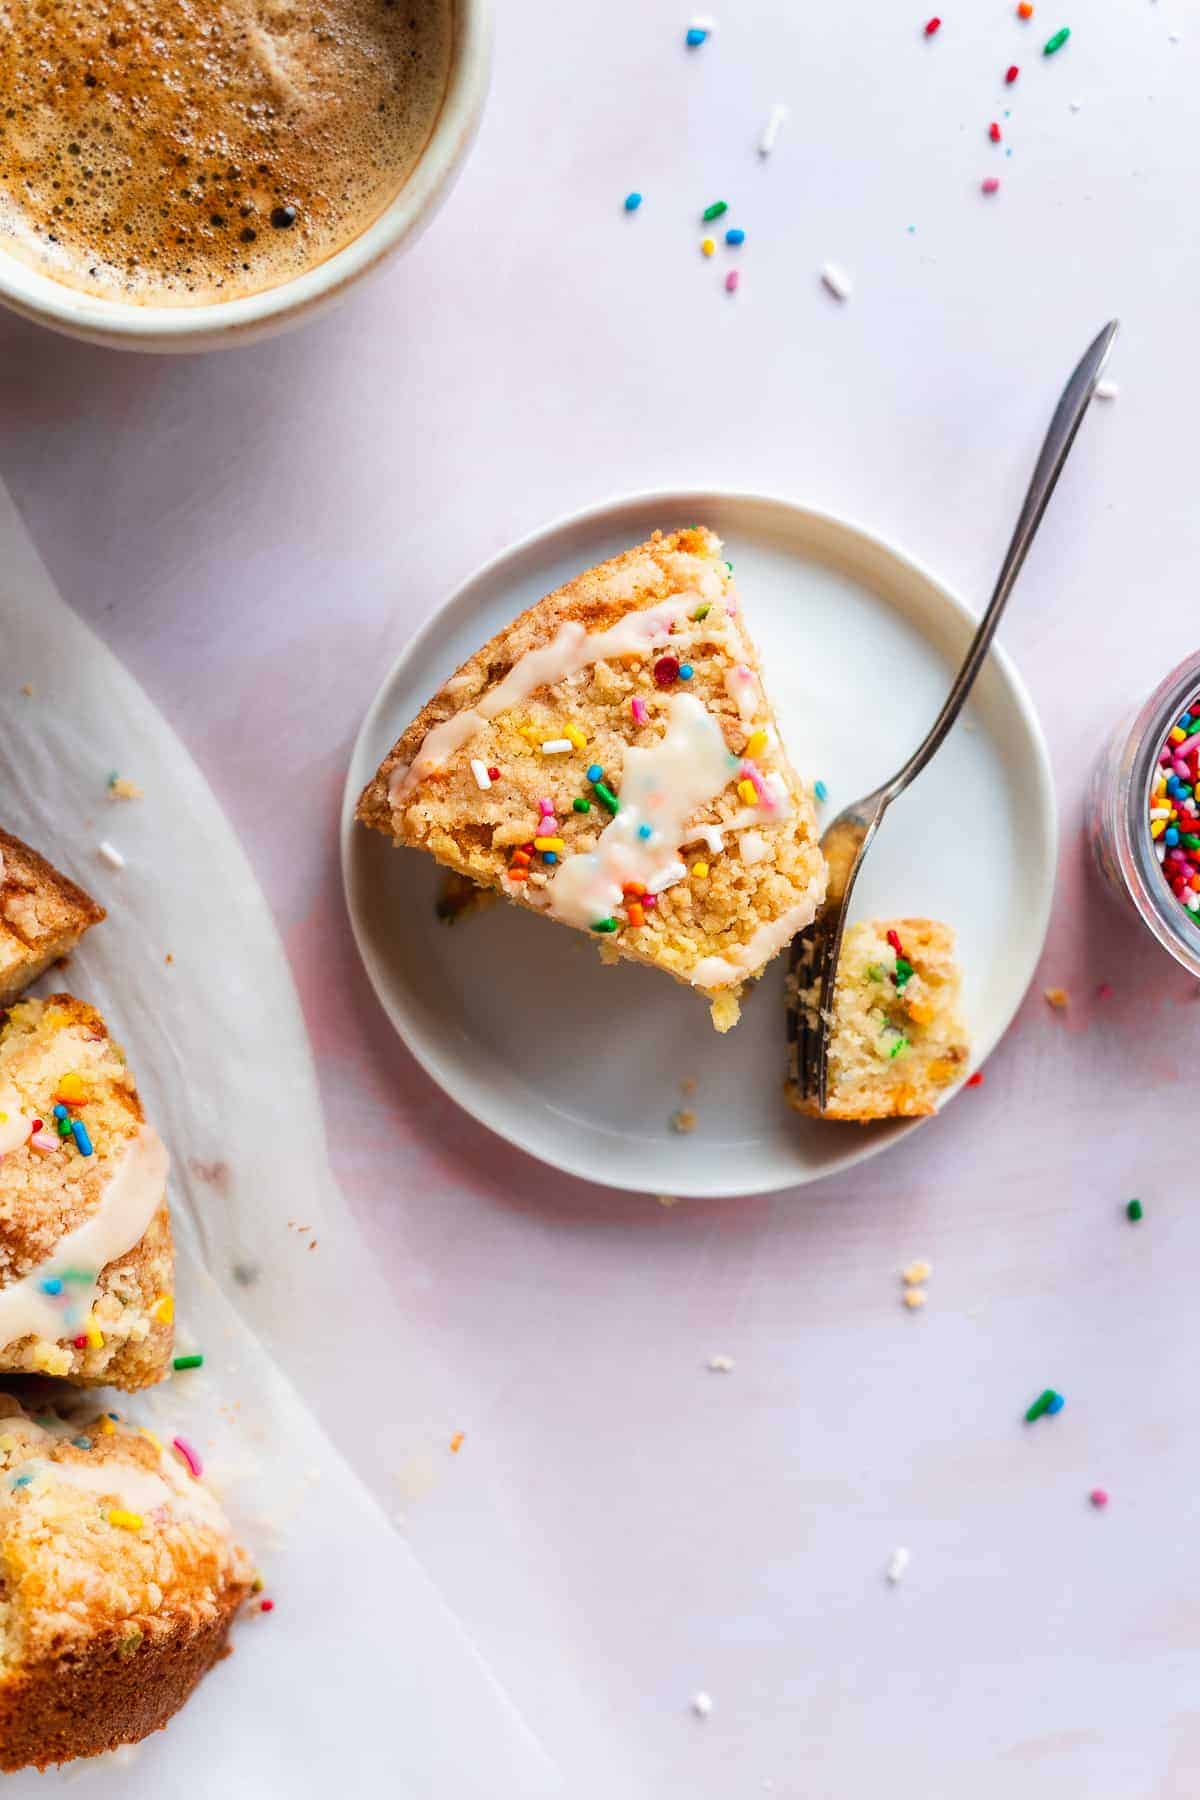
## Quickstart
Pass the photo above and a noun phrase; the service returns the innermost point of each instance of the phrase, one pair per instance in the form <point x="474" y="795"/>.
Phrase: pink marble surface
<point x="257" y="534"/>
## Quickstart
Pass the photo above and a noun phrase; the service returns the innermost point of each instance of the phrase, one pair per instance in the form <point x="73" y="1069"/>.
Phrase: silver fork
<point x="814" y="955"/>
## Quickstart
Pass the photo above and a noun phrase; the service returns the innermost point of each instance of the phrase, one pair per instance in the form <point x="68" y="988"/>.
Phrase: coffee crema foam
<point x="188" y="151"/>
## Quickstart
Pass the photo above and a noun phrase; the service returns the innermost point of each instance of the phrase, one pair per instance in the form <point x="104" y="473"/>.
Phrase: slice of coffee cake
<point x="42" y="916"/>
<point x="898" y="1038"/>
<point x="121" y="1580"/>
<point x="86" y="1258"/>
<point x="610" y="760"/>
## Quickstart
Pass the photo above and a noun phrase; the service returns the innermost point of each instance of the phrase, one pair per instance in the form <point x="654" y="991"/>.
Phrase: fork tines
<point x="806" y="974"/>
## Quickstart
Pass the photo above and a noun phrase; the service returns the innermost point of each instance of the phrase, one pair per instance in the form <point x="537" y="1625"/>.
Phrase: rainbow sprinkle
<point x="190" y="1456"/>
<point x="1174" y="809"/>
<point x="188" y="1362"/>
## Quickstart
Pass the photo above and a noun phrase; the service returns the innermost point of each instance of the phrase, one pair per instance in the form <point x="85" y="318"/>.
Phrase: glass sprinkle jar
<point x="1118" y="818"/>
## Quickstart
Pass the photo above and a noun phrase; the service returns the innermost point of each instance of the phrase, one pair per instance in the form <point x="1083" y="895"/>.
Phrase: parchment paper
<point x="360" y="1680"/>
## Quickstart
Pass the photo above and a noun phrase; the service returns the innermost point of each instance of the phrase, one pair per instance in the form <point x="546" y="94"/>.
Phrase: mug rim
<point x="219" y="323"/>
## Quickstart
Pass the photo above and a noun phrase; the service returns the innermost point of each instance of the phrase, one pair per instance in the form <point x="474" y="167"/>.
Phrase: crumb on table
<point x="121" y="788"/>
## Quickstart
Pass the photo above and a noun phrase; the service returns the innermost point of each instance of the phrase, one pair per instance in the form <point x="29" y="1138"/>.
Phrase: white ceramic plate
<point x="581" y="1065"/>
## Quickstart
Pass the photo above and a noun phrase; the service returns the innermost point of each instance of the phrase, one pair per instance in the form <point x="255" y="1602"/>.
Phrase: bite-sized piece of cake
<point x="87" y="1266"/>
<point x="42" y="916"/>
<point x="898" y="1038"/>
<point x="610" y="760"/>
<point x="121" y="1580"/>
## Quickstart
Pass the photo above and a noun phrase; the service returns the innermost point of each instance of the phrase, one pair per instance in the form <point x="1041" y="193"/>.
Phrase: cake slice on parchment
<point x="42" y="916"/>
<point x="898" y="1039"/>
<point x="610" y="760"/>
<point x="86" y="1257"/>
<point x="121" y="1580"/>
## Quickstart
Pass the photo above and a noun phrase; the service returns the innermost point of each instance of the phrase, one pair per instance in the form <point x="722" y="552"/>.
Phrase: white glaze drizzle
<point x="741" y="684"/>
<point x="15" y="1126"/>
<point x="173" y="1490"/>
<point x="662" y="785"/>
<point x="764" y="943"/>
<point x="713" y="836"/>
<point x="136" y="1489"/>
<point x="131" y="1197"/>
<point x="571" y="649"/>
<point x="708" y="835"/>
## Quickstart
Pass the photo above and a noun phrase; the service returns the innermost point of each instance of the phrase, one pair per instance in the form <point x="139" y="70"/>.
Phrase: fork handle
<point x="1068" y="416"/>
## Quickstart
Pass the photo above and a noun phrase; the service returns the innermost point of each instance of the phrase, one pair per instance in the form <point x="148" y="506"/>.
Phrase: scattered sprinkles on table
<point x="898" y="1563"/>
<point x="1058" y="998"/>
<point x="702" y="1704"/>
<point x="1174" y="809"/>
<point x="1056" y="42"/>
<point x="1133" y="1211"/>
<point x="1048" y="1401"/>
<point x="837" y="281"/>
<point x="776" y="119"/>
<point x="632" y="201"/>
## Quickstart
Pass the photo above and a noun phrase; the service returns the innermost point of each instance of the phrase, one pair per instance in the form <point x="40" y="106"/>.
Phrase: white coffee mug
<point x="123" y="325"/>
